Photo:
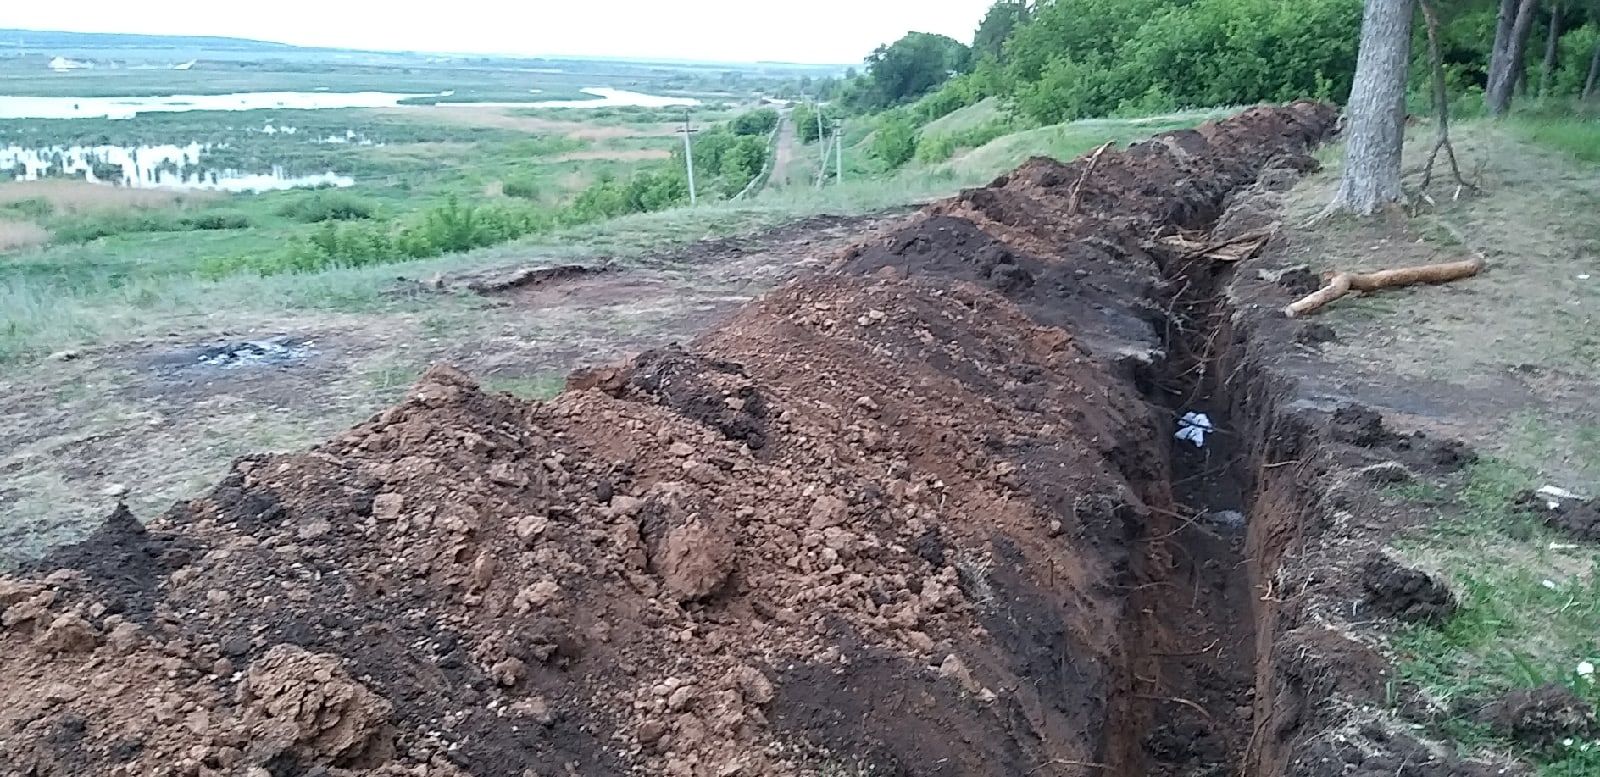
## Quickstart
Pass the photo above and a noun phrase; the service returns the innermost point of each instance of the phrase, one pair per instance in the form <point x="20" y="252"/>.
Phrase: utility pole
<point x="688" y="155"/>
<point x="822" y="145"/>
<point x="838" y="151"/>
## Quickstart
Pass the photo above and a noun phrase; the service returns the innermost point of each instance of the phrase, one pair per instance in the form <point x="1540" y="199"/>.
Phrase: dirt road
<point x="783" y="156"/>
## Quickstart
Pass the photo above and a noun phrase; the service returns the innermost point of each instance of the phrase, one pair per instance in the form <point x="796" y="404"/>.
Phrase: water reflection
<point x="167" y="166"/>
<point x="13" y="107"/>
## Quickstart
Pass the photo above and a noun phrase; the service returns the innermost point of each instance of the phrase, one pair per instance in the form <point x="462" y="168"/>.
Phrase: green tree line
<point x="1059" y="60"/>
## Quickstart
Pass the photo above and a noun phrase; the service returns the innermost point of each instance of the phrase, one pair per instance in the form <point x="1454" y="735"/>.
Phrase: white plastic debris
<point x="1192" y="427"/>
<point x="1586" y="670"/>
<point x="1557" y="492"/>
<point x="1554" y="495"/>
<point x="1550" y="584"/>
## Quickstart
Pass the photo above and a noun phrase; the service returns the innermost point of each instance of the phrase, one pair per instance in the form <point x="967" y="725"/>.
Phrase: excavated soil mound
<point x="888" y="520"/>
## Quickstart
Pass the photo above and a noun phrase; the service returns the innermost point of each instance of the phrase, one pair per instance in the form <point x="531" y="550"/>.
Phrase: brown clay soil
<point x="921" y="514"/>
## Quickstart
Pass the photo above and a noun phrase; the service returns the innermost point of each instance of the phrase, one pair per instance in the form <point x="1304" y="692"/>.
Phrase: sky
<point x="810" y="31"/>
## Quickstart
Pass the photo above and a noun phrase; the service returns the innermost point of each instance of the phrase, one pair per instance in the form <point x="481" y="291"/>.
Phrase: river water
<point x="16" y="107"/>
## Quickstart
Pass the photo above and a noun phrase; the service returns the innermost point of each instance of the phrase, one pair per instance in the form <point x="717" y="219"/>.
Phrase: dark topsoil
<point x="908" y="517"/>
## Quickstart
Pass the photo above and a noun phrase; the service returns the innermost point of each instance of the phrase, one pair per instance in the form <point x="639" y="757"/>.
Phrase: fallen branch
<point x="1077" y="188"/>
<point x="1343" y="283"/>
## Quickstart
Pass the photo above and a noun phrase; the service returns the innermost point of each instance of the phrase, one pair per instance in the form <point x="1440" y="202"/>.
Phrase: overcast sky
<point x="818" y="31"/>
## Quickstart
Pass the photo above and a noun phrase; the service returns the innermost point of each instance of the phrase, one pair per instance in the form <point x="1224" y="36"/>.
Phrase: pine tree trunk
<point x="1548" y="72"/>
<point x="1593" y="80"/>
<point x="1502" y="43"/>
<point x="1376" y="111"/>
<point x="1503" y="82"/>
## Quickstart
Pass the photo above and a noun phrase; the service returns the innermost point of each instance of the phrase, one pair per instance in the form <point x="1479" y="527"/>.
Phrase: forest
<point x="1059" y="60"/>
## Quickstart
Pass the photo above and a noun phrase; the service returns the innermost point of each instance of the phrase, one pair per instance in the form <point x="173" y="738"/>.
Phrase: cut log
<point x="1343" y="283"/>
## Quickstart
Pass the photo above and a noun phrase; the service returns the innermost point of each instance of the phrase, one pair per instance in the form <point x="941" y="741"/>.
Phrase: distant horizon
<point x="822" y="32"/>
<point x="269" y="43"/>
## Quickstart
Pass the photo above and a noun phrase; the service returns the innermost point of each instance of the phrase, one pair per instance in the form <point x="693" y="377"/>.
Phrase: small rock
<point x="695" y="559"/>
<point x="387" y="507"/>
<point x="235" y="644"/>
<point x="682" y="698"/>
<point x="753" y="685"/>
<point x="313" y="529"/>
<point x="531" y="527"/>
<point x="508" y="672"/>
<point x="954" y="669"/>
<point x="650" y="731"/>
<point x="536" y="596"/>
<point x="536" y="708"/>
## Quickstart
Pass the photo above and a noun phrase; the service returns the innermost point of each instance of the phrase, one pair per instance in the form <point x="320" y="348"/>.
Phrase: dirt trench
<point x="921" y="514"/>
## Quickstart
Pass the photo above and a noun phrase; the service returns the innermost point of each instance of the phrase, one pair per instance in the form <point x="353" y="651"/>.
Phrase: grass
<point x="1578" y="137"/>
<point x="1525" y="620"/>
<point x="965" y="118"/>
<point x="122" y="285"/>
<point x="1065" y="141"/>
<point x="542" y="386"/>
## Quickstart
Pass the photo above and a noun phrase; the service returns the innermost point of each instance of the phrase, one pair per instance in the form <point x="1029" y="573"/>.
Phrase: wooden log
<point x="1343" y="283"/>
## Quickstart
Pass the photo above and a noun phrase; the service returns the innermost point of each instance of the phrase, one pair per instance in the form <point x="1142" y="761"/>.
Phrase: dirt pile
<point x="884" y="520"/>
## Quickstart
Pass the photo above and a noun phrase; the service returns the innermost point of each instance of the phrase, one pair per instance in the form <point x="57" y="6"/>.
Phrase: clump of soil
<point x="1577" y="519"/>
<point x="1398" y="591"/>
<point x="887" y="519"/>
<point x="1363" y="427"/>
<point x="1541" y="717"/>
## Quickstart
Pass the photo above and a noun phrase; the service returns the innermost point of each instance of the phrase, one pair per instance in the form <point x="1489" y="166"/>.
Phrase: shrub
<point x="217" y="220"/>
<point x="521" y="188"/>
<point x="756" y="122"/>
<point x="106" y="224"/>
<point x="894" y="143"/>
<point x="323" y="206"/>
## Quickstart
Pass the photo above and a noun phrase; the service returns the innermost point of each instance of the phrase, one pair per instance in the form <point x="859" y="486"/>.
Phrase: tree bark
<point x="1503" y="82"/>
<point x="1593" y="80"/>
<point x="1503" y="22"/>
<point x="1548" y="72"/>
<point x="1376" y="111"/>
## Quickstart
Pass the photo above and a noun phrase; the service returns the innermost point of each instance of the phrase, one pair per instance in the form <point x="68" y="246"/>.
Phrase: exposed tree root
<point x="1340" y="284"/>
<point x="1077" y="188"/>
<point x="1245" y="246"/>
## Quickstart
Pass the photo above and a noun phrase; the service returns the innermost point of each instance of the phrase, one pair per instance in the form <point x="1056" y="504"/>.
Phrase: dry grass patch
<point x="503" y="118"/>
<point x="21" y="234"/>
<point x="617" y="154"/>
<point x="82" y="196"/>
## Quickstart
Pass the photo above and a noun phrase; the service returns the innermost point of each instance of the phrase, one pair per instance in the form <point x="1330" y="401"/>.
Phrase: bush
<point x="894" y="143"/>
<point x="217" y="220"/>
<point x="447" y="228"/>
<point x="107" y="224"/>
<point x="757" y="122"/>
<point x="326" y="205"/>
<point x="520" y="188"/>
